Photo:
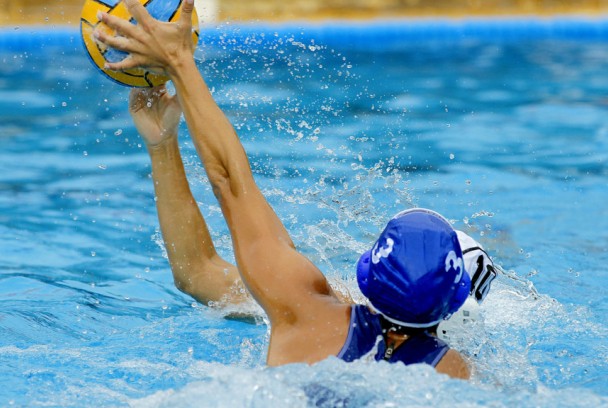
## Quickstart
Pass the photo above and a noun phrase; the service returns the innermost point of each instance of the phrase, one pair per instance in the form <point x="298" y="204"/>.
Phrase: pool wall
<point x="353" y="33"/>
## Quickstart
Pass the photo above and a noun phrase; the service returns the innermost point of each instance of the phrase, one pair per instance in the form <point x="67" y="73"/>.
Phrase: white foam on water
<point x="333" y="383"/>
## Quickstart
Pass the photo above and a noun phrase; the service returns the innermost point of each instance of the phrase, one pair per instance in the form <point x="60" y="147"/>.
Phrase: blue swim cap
<point x="414" y="275"/>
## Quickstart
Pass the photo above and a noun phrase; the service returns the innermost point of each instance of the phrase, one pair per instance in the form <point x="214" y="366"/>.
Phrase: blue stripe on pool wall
<point x="360" y="34"/>
<point x="37" y="38"/>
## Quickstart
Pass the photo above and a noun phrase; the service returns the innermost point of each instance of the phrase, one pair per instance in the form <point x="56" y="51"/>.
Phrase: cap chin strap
<point x="402" y="323"/>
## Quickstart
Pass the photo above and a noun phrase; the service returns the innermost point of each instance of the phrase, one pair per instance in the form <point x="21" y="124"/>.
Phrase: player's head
<point x="414" y="274"/>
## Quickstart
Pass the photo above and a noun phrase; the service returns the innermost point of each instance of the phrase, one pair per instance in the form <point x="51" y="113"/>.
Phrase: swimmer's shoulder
<point x="454" y="365"/>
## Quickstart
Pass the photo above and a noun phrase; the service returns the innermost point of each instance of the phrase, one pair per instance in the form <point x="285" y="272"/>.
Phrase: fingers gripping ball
<point x="163" y="10"/>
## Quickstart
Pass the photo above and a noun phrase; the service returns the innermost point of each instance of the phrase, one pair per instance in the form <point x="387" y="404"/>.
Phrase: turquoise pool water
<point x="500" y="126"/>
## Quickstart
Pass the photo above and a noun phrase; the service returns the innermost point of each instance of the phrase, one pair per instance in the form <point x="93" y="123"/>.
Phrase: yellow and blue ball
<point x="164" y="10"/>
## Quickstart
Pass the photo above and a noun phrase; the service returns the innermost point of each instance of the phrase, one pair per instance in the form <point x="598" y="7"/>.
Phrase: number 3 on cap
<point x="452" y="261"/>
<point x="383" y="252"/>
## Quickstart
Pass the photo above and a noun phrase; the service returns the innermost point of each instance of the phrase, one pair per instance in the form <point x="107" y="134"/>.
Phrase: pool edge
<point x="361" y="33"/>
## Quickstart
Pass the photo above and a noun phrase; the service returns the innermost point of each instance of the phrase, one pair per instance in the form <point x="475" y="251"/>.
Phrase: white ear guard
<point x="478" y="264"/>
<point x="480" y="268"/>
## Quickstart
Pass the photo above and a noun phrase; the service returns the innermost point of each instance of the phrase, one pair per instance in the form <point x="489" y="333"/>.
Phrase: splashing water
<point x="337" y="149"/>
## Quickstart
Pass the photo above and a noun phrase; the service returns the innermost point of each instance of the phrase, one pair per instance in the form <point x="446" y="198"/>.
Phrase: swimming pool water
<point x="508" y="139"/>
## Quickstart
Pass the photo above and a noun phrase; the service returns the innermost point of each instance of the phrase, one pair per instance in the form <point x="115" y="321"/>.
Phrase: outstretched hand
<point x="156" y="114"/>
<point x="151" y="44"/>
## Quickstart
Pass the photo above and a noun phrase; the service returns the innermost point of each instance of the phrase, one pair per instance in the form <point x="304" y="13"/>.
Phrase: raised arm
<point x="197" y="268"/>
<point x="287" y="285"/>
